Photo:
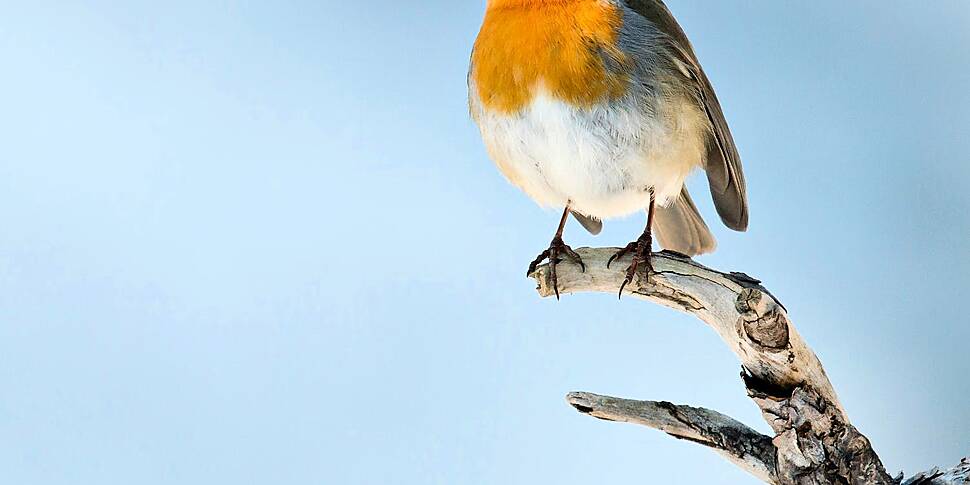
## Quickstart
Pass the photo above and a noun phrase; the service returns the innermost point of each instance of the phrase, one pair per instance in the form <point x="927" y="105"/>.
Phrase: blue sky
<point x="260" y="242"/>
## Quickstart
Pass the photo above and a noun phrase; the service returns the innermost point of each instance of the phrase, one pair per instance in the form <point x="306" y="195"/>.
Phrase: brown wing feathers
<point x="723" y="164"/>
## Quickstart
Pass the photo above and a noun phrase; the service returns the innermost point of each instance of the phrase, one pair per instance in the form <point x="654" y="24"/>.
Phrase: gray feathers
<point x="723" y="164"/>
<point x="594" y="226"/>
<point x="679" y="227"/>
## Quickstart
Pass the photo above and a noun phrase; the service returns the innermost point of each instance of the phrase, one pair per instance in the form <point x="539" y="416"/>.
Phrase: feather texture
<point x="596" y="104"/>
<point x="593" y="226"/>
<point x="679" y="227"/>
<point x="722" y="164"/>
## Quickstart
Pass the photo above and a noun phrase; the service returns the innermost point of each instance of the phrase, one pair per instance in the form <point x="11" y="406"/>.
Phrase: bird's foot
<point x="557" y="250"/>
<point x="641" y="259"/>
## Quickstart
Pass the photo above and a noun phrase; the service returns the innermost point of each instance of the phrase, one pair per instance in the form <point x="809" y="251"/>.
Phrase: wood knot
<point x="762" y="320"/>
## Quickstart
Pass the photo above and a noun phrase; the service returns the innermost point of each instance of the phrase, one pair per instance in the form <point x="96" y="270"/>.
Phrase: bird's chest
<point x="601" y="160"/>
<point x="559" y="153"/>
<point x="569" y="49"/>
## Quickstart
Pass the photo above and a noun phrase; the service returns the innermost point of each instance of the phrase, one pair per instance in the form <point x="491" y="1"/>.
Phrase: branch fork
<point x="814" y="442"/>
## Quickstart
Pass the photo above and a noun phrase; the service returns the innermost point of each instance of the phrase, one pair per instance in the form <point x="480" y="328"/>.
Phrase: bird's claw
<point x="557" y="249"/>
<point x="641" y="259"/>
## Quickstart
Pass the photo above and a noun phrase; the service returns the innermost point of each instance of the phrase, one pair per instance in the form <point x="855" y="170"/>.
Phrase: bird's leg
<point x="640" y="248"/>
<point x="556" y="250"/>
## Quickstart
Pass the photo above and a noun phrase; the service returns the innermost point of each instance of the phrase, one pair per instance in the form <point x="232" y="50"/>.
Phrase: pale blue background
<point x="260" y="242"/>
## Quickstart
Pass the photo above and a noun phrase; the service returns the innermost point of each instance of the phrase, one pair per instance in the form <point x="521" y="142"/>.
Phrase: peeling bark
<point x="814" y="442"/>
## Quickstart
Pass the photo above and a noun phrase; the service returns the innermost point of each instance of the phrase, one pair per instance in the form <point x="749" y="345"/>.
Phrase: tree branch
<point x="743" y="446"/>
<point x="814" y="442"/>
<point x="957" y="475"/>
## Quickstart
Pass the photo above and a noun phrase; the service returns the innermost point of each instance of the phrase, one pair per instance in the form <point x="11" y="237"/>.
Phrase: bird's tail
<point x="679" y="227"/>
<point x="594" y="226"/>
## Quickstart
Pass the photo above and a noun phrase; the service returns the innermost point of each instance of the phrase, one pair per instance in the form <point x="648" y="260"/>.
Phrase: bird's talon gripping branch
<point x="641" y="259"/>
<point x="640" y="248"/>
<point x="557" y="249"/>
<point x="621" y="253"/>
<point x="534" y="265"/>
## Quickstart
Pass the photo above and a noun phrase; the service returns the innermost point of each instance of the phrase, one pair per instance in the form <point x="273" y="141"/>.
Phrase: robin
<point x="601" y="107"/>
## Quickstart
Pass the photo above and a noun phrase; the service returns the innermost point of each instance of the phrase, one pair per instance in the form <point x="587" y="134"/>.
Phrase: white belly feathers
<point x="602" y="161"/>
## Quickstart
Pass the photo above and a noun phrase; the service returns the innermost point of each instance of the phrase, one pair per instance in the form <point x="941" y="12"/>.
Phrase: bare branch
<point x="814" y="441"/>
<point x="743" y="446"/>
<point x="743" y="313"/>
<point x="958" y="475"/>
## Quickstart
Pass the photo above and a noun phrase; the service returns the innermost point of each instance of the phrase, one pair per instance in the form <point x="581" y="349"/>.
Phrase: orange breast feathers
<point x="560" y="45"/>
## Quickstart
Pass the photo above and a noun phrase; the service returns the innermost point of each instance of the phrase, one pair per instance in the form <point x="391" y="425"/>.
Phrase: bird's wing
<point x="723" y="164"/>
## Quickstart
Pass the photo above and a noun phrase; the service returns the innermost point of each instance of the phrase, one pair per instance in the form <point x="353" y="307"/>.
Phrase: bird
<point x="601" y="107"/>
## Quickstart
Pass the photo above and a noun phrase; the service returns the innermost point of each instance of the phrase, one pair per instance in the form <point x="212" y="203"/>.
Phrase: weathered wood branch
<point x="743" y="446"/>
<point x="956" y="475"/>
<point x="814" y="441"/>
